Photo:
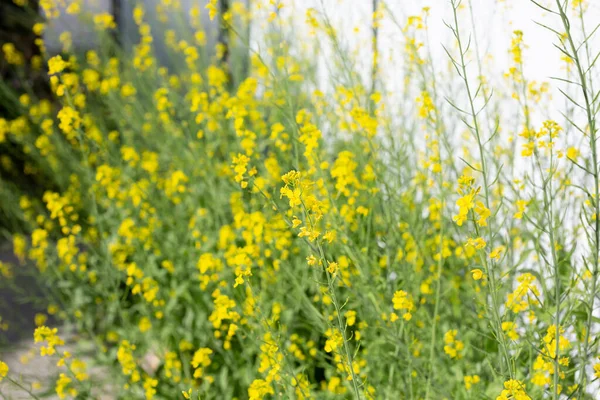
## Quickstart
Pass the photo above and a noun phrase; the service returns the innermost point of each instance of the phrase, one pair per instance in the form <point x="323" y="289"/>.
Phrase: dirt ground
<point x="38" y="374"/>
<point x="33" y="372"/>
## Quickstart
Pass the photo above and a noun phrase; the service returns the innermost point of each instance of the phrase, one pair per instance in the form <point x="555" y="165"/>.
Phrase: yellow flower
<point x="402" y="301"/>
<point x="45" y="334"/>
<point x="483" y="212"/>
<point x="426" y="105"/>
<point x="240" y="165"/>
<point x="150" y="387"/>
<point x="200" y="361"/>
<point x="78" y="368"/>
<point x="3" y="370"/>
<point x="62" y="387"/>
<point x="74" y="8"/>
<point x="467" y="202"/>
<point x="513" y="389"/>
<point x="258" y="389"/>
<point x="38" y="28"/>
<point x="56" y="65"/>
<point x="104" y="21"/>
<point x="126" y="358"/>
<point x="296" y="222"/>
<point x="477" y="274"/>
<point x="69" y="121"/>
<point x="40" y="319"/>
<point x="471" y="380"/>
<point x="329" y="236"/>
<point x="477" y="243"/>
<point x="550" y="341"/>
<point x="572" y="153"/>
<point x="528" y="149"/>
<point x="519" y="300"/>
<point x="311" y="260"/>
<point x="350" y="317"/>
<point x="521" y="205"/>
<point x="334" y="340"/>
<point x="510" y="329"/>
<point x="332" y="267"/>
<point x="497" y="252"/>
<point x="12" y="55"/>
<point x="452" y="346"/>
<point x="212" y="9"/>
<point x="145" y="324"/>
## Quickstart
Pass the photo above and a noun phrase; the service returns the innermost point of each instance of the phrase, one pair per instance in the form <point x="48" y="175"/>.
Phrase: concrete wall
<point x="84" y="36"/>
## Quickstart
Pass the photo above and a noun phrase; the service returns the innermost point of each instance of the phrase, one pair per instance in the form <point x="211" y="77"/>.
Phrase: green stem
<point x="17" y="384"/>
<point x="592" y="126"/>
<point x="476" y="129"/>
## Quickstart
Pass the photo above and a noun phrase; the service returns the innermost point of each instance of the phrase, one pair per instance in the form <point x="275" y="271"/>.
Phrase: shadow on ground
<point x="21" y="299"/>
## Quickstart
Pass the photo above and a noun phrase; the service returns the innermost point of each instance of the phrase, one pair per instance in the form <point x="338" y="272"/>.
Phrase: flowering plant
<point x="217" y="234"/>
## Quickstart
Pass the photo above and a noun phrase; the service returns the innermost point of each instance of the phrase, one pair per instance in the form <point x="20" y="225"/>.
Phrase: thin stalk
<point x="375" y="47"/>
<point x="549" y="208"/>
<point x="478" y="59"/>
<point x="592" y="126"/>
<point x="340" y="323"/>
<point x="438" y="291"/>
<point x="17" y="384"/>
<point x="484" y="172"/>
<point x="548" y="199"/>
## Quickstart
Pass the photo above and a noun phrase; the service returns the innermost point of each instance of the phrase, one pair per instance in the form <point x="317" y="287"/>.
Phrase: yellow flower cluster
<point x="126" y="358"/>
<point x="403" y="302"/>
<point x="471" y="380"/>
<point x="469" y="202"/>
<point x="49" y="337"/>
<point x="524" y="295"/>
<point x="3" y="370"/>
<point x="260" y="225"/>
<point x="452" y="346"/>
<point x="513" y="390"/>
<point x="201" y="361"/>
